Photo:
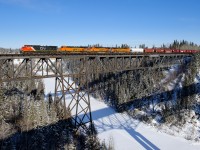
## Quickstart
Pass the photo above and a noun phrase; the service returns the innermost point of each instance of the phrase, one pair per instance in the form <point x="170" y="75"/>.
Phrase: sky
<point x="105" y="22"/>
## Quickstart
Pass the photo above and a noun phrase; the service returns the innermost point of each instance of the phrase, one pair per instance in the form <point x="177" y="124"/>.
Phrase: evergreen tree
<point x="92" y="143"/>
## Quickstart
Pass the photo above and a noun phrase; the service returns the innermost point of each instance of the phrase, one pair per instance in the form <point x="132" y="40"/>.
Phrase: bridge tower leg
<point x="74" y="96"/>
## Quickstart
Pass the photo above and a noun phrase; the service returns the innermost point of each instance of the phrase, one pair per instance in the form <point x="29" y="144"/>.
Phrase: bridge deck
<point x="62" y="55"/>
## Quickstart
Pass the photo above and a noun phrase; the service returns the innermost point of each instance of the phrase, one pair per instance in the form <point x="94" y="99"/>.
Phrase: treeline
<point x="183" y="45"/>
<point x="6" y="51"/>
<point x="116" y="46"/>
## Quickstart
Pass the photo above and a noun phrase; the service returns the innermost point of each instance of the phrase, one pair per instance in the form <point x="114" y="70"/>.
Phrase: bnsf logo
<point x="42" y="48"/>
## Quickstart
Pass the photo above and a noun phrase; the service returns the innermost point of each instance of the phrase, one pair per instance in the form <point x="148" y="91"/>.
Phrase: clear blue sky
<point x="107" y="22"/>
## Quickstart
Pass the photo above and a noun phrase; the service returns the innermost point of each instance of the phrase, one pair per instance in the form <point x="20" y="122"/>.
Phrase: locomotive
<point x="74" y="49"/>
<point x="88" y="49"/>
<point x="38" y="48"/>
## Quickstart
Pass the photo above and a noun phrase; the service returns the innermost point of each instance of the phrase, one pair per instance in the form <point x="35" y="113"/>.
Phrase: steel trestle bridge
<point x="62" y="67"/>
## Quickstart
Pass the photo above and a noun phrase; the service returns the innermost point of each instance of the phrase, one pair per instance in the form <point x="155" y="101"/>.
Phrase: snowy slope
<point x="127" y="133"/>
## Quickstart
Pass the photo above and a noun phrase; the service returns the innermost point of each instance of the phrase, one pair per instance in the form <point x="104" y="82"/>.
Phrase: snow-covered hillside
<point x="127" y="133"/>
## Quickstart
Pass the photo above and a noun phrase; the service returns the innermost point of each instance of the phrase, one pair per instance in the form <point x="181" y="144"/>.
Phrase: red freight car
<point x="149" y="50"/>
<point x="188" y="51"/>
<point x="183" y="51"/>
<point x="168" y="50"/>
<point x="195" y="51"/>
<point x="176" y="51"/>
<point x="159" y="50"/>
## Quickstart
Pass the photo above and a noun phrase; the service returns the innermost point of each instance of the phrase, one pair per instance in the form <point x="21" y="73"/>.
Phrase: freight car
<point x="165" y="50"/>
<point x="159" y="50"/>
<point x="168" y="50"/>
<point x="137" y="50"/>
<point x="149" y="50"/>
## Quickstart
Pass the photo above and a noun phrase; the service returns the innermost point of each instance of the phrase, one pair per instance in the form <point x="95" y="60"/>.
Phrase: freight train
<point x="93" y="49"/>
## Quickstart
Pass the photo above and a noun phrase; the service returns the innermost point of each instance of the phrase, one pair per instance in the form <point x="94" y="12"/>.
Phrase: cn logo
<point x="42" y="48"/>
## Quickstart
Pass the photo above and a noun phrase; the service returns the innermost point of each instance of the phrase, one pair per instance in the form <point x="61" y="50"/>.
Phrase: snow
<point x="125" y="132"/>
<point x="49" y="85"/>
<point x="171" y="77"/>
<point x="128" y="133"/>
<point x="17" y="61"/>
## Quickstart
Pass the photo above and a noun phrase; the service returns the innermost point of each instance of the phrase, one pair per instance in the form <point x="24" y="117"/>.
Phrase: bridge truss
<point x="71" y="73"/>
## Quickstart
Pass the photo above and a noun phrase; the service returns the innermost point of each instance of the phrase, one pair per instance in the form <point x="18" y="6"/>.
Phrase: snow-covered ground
<point x="127" y="133"/>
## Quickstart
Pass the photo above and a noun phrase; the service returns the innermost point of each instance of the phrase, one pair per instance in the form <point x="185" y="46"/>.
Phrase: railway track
<point x="93" y="54"/>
